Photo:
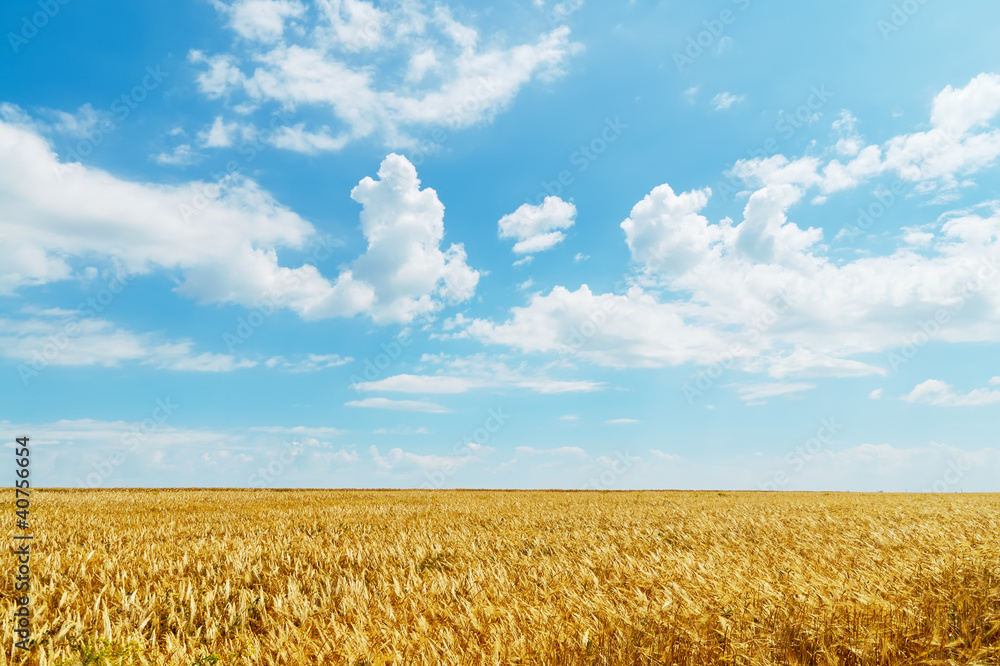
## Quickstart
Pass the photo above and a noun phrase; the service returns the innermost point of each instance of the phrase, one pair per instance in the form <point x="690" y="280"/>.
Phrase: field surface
<point x="197" y="577"/>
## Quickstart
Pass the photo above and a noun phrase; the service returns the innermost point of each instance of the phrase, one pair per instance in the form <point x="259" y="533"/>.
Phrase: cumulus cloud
<point x="537" y="228"/>
<point x="404" y="265"/>
<point x="223" y="238"/>
<point x="631" y="329"/>
<point x="962" y="109"/>
<point x="376" y="71"/>
<point x="763" y="293"/>
<point x="960" y="142"/>
<point x="665" y="230"/>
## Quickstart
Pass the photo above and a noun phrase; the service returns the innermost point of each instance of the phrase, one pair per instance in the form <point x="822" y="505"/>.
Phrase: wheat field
<point x="199" y="577"/>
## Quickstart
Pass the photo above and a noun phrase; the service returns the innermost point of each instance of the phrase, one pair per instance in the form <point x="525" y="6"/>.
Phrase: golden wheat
<point x="199" y="577"/>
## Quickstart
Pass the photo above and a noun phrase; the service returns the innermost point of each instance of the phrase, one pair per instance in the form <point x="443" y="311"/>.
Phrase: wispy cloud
<point x="308" y="363"/>
<point x="725" y="100"/>
<point x="762" y="391"/>
<point x="399" y="405"/>
<point x="938" y="393"/>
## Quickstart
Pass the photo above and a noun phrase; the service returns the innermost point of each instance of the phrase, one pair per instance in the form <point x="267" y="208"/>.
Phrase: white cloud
<point x="464" y="374"/>
<point x="260" y="20"/>
<point x="78" y="342"/>
<point x="569" y="417"/>
<point x="621" y="421"/>
<point x="805" y="362"/>
<point x="298" y="139"/>
<point x="399" y="405"/>
<point x="665" y="230"/>
<point x="53" y="212"/>
<point x="222" y="73"/>
<point x="310" y="363"/>
<point x="418" y="384"/>
<point x="181" y="155"/>
<point x="670" y="457"/>
<point x="300" y="431"/>
<point x="938" y="393"/>
<point x="179" y="356"/>
<point x="850" y="142"/>
<point x="523" y="261"/>
<point x="92" y="434"/>
<point x="223" y="237"/>
<point x="408" y="272"/>
<point x="220" y="134"/>
<point x="608" y="329"/>
<point x="762" y="293"/>
<point x="155" y="452"/>
<point x="83" y="123"/>
<point x="341" y="457"/>
<point x="553" y="456"/>
<point x="973" y="106"/>
<point x="71" y="451"/>
<point x="936" y="158"/>
<point x="403" y="430"/>
<point x="563" y="10"/>
<point x="421" y="64"/>
<point x="725" y="100"/>
<point x="536" y="228"/>
<point x="762" y="391"/>
<point x="376" y="71"/>
<point x="876" y="394"/>
<point x="917" y="238"/>
<point x="398" y="460"/>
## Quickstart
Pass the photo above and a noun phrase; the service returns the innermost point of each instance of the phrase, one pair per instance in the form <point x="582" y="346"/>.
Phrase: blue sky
<point x="278" y="243"/>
